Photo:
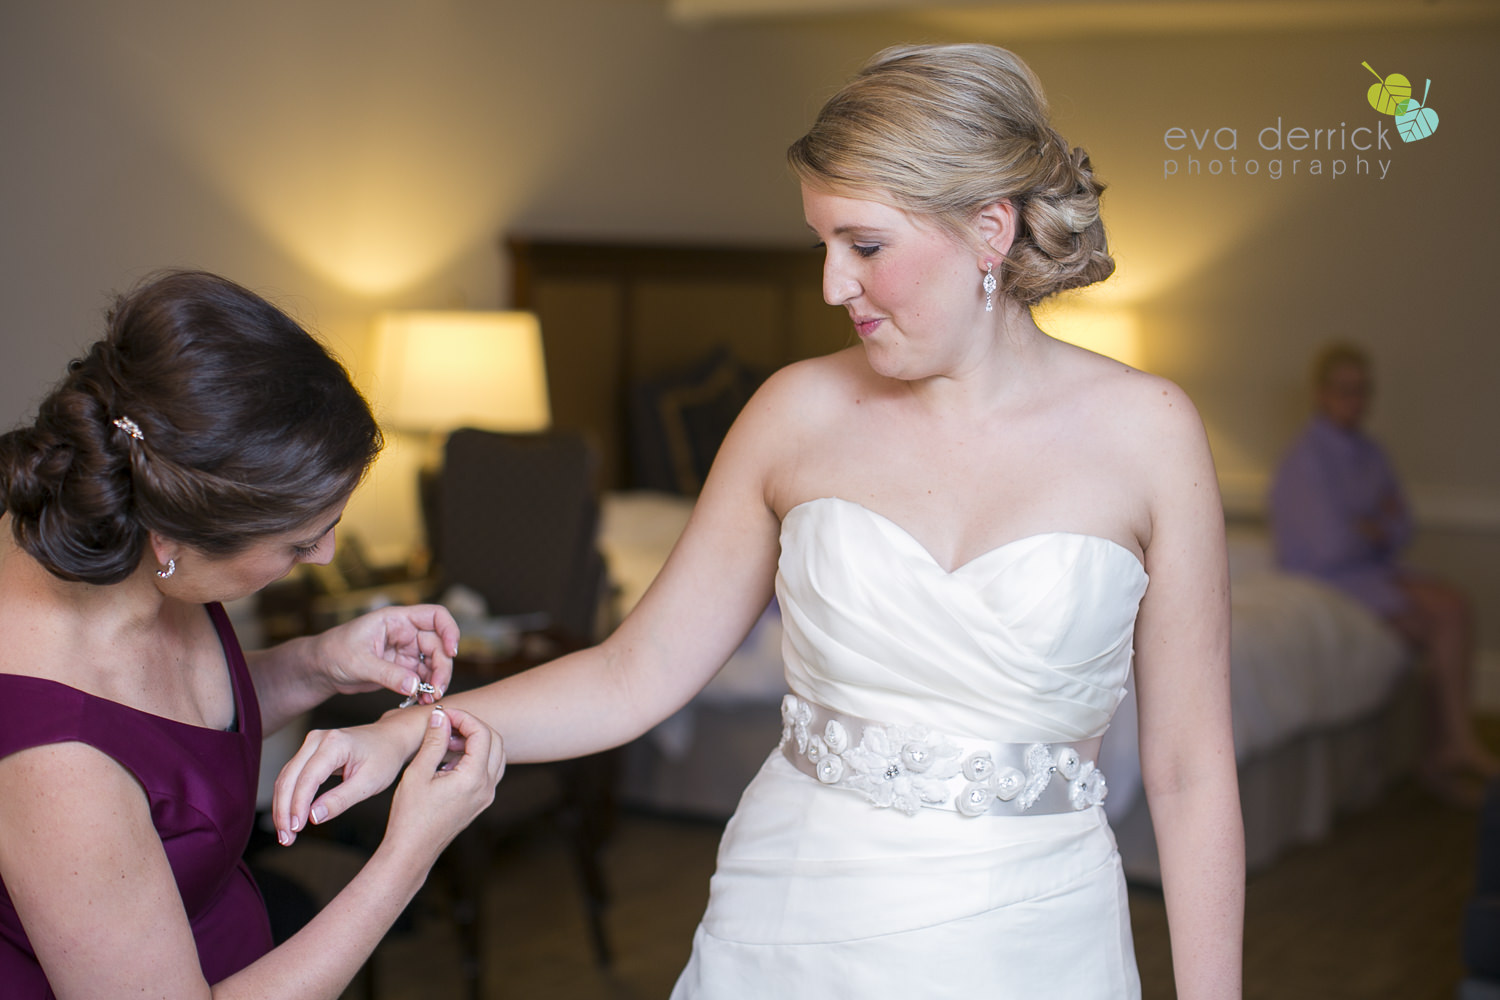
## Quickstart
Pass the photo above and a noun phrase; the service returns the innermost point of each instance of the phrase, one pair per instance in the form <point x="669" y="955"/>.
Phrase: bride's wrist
<point x="410" y="723"/>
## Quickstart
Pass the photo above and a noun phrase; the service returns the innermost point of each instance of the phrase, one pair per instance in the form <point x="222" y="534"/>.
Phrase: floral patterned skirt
<point x="820" y="893"/>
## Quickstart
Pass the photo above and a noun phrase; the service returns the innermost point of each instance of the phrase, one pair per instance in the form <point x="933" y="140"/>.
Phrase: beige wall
<point x="347" y="157"/>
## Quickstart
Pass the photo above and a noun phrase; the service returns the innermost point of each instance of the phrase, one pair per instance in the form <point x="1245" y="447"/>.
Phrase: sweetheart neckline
<point x="1034" y="536"/>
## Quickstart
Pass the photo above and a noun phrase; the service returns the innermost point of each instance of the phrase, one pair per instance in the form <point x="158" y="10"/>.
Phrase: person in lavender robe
<point x="1338" y="513"/>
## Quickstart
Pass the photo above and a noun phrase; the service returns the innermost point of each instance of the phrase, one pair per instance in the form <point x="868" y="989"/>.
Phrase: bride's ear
<point x="997" y="224"/>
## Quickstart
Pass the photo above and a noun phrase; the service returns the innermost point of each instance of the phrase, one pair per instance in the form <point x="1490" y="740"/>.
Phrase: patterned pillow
<point x="679" y="421"/>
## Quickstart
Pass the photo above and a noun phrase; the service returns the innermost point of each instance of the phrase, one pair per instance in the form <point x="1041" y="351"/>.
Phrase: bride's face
<point x="913" y="293"/>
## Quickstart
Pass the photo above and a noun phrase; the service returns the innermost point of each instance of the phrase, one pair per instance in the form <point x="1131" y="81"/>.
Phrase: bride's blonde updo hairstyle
<point x="205" y="414"/>
<point x="944" y="130"/>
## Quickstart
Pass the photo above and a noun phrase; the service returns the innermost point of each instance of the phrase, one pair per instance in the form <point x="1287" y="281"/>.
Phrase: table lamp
<point x="437" y="371"/>
<point x="441" y="370"/>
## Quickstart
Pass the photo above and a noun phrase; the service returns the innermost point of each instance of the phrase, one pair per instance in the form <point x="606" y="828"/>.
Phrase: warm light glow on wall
<point x="438" y="371"/>
<point x="1110" y="330"/>
<point x="376" y="175"/>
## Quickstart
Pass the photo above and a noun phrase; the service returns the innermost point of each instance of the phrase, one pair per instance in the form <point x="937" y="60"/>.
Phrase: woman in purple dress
<point x="200" y="451"/>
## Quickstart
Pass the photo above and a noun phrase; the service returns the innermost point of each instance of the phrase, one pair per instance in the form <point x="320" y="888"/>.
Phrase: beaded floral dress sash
<point x="911" y="768"/>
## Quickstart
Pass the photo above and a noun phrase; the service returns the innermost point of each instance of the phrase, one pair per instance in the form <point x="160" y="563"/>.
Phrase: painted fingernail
<point x="283" y="838"/>
<point x="437" y="716"/>
<point x="319" y="813"/>
<point x="296" y="824"/>
<point x="409" y="686"/>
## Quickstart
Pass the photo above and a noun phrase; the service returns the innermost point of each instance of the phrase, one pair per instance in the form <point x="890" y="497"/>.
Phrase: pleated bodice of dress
<point x="1029" y="641"/>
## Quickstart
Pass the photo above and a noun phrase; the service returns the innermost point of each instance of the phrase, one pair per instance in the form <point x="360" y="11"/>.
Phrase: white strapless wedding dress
<point x="820" y="892"/>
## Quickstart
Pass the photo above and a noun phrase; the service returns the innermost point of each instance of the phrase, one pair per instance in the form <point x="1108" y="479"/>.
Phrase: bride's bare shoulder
<point x="845" y="368"/>
<point x="1134" y="401"/>
<point x="804" y="391"/>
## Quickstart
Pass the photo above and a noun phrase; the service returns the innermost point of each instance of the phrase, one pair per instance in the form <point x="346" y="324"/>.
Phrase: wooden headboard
<point x="617" y="317"/>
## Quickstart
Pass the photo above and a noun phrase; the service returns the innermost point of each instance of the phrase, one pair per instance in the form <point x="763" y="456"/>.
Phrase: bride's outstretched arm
<point x="713" y="587"/>
<point x="1182" y="683"/>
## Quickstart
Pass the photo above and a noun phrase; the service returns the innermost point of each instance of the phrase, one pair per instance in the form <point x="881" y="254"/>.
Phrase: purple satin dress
<point x="201" y="784"/>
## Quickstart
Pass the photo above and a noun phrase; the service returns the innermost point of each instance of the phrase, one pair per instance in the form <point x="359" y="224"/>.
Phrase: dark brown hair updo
<point x="943" y="131"/>
<point x="248" y="427"/>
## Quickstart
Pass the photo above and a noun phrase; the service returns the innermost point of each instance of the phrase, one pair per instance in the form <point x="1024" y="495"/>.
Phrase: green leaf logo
<point x="1416" y="121"/>
<point x="1390" y="95"/>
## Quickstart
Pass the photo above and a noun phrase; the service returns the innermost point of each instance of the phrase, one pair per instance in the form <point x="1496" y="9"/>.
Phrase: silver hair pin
<point x="129" y="427"/>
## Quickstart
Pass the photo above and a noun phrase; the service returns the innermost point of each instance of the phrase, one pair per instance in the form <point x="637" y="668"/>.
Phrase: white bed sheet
<point x="1303" y="657"/>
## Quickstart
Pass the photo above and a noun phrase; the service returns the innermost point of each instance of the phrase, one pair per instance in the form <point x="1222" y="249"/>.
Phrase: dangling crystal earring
<point x="989" y="287"/>
<point x="171" y="568"/>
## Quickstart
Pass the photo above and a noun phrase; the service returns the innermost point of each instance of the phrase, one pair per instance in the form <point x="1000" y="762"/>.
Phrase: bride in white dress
<point x="972" y="529"/>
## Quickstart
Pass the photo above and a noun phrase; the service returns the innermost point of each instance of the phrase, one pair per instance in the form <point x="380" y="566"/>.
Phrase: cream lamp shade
<point x="438" y="371"/>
